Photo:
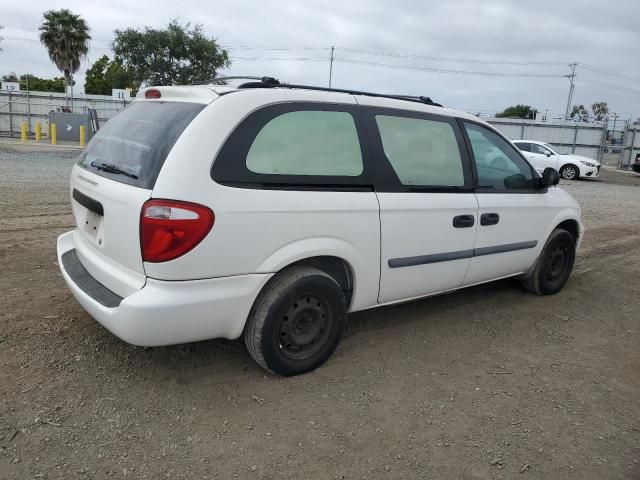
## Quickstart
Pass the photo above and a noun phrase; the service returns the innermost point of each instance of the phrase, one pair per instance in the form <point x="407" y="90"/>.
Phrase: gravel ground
<point x="490" y="382"/>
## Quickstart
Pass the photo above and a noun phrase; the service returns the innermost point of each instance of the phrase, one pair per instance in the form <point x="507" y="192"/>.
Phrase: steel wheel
<point x="297" y="321"/>
<point x="557" y="263"/>
<point x="554" y="264"/>
<point x="303" y="330"/>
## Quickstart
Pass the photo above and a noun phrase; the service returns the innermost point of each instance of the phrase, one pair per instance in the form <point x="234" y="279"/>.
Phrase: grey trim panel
<point x="425" y="259"/>
<point x="509" y="247"/>
<point x="86" y="282"/>
<point x="459" y="255"/>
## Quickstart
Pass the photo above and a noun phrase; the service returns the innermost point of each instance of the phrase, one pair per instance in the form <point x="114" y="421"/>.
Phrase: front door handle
<point x="489" y="219"/>
<point x="463" y="221"/>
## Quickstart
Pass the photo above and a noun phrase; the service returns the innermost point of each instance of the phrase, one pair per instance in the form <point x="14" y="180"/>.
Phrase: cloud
<point x="590" y="32"/>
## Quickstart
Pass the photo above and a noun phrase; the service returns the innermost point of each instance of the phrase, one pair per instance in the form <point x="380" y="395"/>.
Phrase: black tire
<point x="554" y="265"/>
<point x="296" y="322"/>
<point x="570" y="172"/>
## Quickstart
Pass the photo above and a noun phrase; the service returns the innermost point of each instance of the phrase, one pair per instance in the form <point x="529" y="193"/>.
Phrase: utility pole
<point x="571" y="78"/>
<point x="331" y="66"/>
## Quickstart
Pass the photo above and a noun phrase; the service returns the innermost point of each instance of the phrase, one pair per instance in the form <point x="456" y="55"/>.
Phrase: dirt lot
<point x="490" y="382"/>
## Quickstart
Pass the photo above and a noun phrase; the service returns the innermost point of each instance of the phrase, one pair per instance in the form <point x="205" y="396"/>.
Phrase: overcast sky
<point x="544" y="35"/>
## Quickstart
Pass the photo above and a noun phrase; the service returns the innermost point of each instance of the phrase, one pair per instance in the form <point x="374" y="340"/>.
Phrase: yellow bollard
<point x="82" y="136"/>
<point x="23" y="132"/>
<point x="54" y="134"/>
<point x="38" y="132"/>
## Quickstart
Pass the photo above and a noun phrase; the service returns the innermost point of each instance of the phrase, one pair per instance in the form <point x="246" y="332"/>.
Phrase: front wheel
<point x="297" y="321"/>
<point x="570" y="172"/>
<point x="554" y="265"/>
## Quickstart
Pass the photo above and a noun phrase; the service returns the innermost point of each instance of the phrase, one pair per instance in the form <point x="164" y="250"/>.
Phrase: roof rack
<point x="270" y="82"/>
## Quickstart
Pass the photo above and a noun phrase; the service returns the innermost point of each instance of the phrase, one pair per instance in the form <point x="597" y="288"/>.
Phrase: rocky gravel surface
<point x="486" y="383"/>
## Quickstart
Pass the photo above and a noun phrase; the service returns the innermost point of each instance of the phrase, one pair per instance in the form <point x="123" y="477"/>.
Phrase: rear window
<point x="133" y="145"/>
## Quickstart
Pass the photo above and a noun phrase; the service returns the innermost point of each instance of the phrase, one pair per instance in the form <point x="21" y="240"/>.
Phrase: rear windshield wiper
<point x="111" y="168"/>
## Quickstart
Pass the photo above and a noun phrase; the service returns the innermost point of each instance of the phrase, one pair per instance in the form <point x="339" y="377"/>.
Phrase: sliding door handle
<point x="464" y="221"/>
<point x="489" y="219"/>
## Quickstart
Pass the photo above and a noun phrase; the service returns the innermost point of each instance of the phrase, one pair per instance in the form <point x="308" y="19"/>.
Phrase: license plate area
<point x="92" y="225"/>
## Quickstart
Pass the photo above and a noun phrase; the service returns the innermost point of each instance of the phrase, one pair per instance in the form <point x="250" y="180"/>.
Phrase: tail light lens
<point x="638" y="158"/>
<point x="169" y="229"/>
<point x="152" y="93"/>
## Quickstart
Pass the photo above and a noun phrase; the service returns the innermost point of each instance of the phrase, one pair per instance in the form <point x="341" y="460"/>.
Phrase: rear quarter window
<point x="132" y="147"/>
<point x="296" y="145"/>
<point x="307" y="143"/>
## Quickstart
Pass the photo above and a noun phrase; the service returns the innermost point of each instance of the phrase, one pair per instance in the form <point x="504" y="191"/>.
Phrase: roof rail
<point x="254" y="82"/>
<point x="270" y="82"/>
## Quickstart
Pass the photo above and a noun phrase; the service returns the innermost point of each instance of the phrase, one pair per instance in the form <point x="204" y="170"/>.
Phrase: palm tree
<point x="66" y="38"/>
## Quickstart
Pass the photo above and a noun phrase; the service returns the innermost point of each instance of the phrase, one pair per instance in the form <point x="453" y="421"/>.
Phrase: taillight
<point x="152" y="93"/>
<point x="169" y="228"/>
<point x="638" y="158"/>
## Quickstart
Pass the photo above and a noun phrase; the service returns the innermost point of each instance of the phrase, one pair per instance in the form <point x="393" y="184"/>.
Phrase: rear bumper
<point x="165" y="312"/>
<point x="636" y="167"/>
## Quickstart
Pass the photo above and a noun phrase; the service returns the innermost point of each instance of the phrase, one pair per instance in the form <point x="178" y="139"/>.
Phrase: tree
<point x="11" y="77"/>
<point x="579" y="113"/>
<point x="66" y="38"/>
<point x="518" y="111"/>
<point x="177" y="55"/>
<point x="104" y="75"/>
<point x="36" y="84"/>
<point x="599" y="110"/>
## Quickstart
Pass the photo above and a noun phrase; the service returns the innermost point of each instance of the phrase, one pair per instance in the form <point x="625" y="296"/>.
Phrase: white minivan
<point x="265" y="210"/>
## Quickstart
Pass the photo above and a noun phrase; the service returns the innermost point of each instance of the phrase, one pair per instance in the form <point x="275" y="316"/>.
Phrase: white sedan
<point x="571" y="167"/>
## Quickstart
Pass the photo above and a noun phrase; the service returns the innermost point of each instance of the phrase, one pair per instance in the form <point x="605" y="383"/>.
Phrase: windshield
<point x="551" y="147"/>
<point x="132" y="146"/>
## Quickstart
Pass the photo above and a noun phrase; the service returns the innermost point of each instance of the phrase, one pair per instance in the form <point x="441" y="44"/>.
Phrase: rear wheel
<point x="569" y="172"/>
<point x="297" y="321"/>
<point x="554" y="264"/>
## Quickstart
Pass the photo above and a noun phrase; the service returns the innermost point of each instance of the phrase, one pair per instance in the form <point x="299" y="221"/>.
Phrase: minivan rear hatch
<point x="113" y="178"/>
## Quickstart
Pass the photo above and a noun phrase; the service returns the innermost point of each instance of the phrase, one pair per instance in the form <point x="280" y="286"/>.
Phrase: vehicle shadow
<point x="220" y="361"/>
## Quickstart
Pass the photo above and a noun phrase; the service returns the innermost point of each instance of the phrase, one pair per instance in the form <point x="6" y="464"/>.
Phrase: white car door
<point x="428" y="209"/>
<point x="541" y="157"/>
<point x="513" y="213"/>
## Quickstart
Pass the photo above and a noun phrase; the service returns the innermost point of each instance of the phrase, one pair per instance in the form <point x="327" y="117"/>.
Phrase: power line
<point x="603" y="71"/>
<point x="613" y="86"/>
<point x="275" y="49"/>
<point x="446" y="59"/>
<point x="445" y="70"/>
<point x="290" y="59"/>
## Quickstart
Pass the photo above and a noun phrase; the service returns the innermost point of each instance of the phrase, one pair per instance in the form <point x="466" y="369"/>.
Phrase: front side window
<point x="499" y="165"/>
<point x="422" y="152"/>
<point x="539" y="149"/>
<point x="322" y="143"/>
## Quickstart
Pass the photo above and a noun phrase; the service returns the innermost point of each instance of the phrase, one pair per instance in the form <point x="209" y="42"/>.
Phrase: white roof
<point x="208" y="93"/>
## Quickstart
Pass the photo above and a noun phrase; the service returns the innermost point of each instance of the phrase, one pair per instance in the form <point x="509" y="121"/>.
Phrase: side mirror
<point x="548" y="154"/>
<point x="550" y="177"/>
<point x="515" y="182"/>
